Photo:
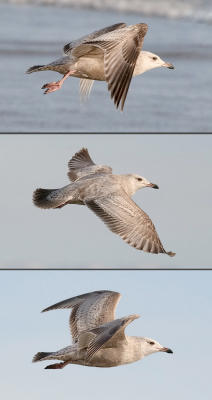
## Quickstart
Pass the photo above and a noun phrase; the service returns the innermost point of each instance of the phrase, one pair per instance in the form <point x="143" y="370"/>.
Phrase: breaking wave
<point x="194" y="9"/>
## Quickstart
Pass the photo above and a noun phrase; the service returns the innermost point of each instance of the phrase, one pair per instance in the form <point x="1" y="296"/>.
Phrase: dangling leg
<point x="57" y="365"/>
<point x="62" y="205"/>
<point x="53" y="86"/>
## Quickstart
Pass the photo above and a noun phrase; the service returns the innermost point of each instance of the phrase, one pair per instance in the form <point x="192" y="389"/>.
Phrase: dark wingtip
<point x="170" y="253"/>
<point x="29" y="70"/>
<point x="145" y="27"/>
<point x="34" y="68"/>
<point x="66" y="48"/>
<point x="46" y="309"/>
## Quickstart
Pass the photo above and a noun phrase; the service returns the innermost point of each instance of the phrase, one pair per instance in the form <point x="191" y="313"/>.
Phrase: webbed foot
<point x="51" y="87"/>
<point x="57" y="365"/>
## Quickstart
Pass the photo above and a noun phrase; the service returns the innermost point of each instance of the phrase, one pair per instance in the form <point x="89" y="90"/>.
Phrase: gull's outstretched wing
<point x="90" y="310"/>
<point x="108" y="335"/>
<point x="70" y="46"/>
<point x="123" y="217"/>
<point x="82" y="165"/>
<point x="121" y="49"/>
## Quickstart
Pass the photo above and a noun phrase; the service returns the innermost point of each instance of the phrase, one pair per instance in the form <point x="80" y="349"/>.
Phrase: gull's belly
<point x="90" y="68"/>
<point x="112" y="357"/>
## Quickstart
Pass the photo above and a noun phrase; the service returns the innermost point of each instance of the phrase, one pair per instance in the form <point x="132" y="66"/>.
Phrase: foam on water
<point x="194" y="9"/>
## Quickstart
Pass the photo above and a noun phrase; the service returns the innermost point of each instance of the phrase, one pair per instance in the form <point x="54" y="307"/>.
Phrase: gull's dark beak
<point x="153" y="185"/>
<point x="166" y="350"/>
<point x="168" y="65"/>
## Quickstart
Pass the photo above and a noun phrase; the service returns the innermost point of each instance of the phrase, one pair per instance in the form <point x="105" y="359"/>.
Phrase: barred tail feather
<point x="36" y="68"/>
<point x="41" y="356"/>
<point x="42" y="198"/>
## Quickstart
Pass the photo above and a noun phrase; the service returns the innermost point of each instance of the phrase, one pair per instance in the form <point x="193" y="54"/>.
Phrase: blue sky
<point x="175" y="309"/>
<point x="74" y="236"/>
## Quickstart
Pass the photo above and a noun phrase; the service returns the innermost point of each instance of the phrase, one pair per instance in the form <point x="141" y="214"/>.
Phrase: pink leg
<point x="62" y="205"/>
<point x="53" y="86"/>
<point x="57" y="365"/>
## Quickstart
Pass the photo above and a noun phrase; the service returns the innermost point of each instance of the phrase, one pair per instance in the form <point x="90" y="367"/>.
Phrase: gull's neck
<point x="141" y="65"/>
<point x="135" y="347"/>
<point x="128" y="184"/>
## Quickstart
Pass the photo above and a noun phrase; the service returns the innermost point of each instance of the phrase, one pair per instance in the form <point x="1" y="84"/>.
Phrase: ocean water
<point x="195" y="9"/>
<point x="158" y="101"/>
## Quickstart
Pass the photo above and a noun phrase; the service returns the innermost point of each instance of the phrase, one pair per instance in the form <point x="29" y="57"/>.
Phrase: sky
<point x="73" y="236"/>
<point x="175" y="309"/>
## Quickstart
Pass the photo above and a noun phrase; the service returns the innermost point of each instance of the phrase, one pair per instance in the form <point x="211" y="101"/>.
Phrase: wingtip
<point x="131" y="317"/>
<point x="29" y="70"/>
<point x="45" y="309"/>
<point x="145" y="27"/>
<point x="171" y="254"/>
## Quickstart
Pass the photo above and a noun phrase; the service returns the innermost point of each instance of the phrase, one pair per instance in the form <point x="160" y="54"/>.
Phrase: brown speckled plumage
<point x="109" y="197"/>
<point x="112" y="54"/>
<point x="99" y="339"/>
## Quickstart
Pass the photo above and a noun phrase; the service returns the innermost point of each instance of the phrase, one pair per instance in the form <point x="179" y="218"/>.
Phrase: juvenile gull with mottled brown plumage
<point x="109" y="197"/>
<point x="112" y="54"/>
<point x="99" y="340"/>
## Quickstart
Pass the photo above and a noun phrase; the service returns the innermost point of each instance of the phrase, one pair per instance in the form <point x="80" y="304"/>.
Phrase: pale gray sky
<point x="175" y="309"/>
<point x="73" y="236"/>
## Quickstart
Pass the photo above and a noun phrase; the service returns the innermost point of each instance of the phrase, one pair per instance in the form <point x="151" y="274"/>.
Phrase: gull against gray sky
<point x="73" y="236"/>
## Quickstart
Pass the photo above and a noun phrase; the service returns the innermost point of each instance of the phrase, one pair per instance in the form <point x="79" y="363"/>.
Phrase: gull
<point x="98" y="339"/>
<point x="112" y="54"/>
<point x="109" y="197"/>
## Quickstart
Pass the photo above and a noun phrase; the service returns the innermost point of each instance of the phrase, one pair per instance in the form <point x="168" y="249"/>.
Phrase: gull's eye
<point x="154" y="58"/>
<point x="139" y="179"/>
<point x="151" y="343"/>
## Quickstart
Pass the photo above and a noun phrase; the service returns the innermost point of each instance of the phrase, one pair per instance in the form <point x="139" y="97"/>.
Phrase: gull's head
<point x="150" y="346"/>
<point x="138" y="182"/>
<point x="148" y="60"/>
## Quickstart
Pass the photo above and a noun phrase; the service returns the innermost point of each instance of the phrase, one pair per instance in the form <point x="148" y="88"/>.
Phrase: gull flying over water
<point x="109" y="197"/>
<point x="99" y="340"/>
<point x="112" y="54"/>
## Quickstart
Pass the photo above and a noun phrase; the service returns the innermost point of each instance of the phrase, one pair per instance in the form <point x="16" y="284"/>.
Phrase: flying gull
<point x="109" y="197"/>
<point x="98" y="339"/>
<point x="112" y="54"/>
